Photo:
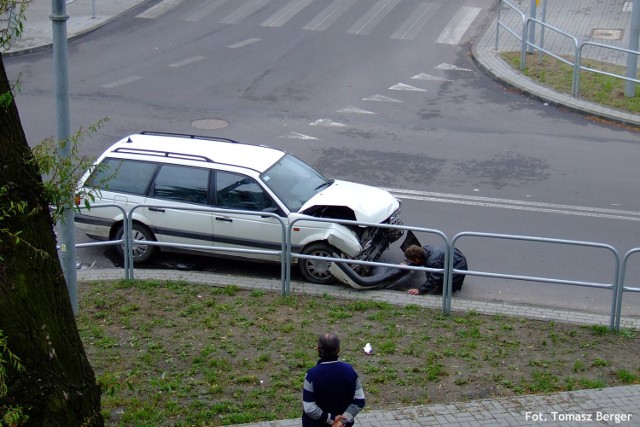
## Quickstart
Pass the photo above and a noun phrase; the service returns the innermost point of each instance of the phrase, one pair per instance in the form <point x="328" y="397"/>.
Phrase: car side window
<point x="235" y="191"/>
<point x="182" y="183"/>
<point x="123" y="176"/>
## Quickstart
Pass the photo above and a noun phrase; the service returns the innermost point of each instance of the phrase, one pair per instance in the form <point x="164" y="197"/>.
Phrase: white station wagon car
<point x="175" y="171"/>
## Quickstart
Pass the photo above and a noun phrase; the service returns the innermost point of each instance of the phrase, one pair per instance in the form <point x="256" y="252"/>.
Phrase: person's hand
<point x="338" y="421"/>
<point x="413" y="291"/>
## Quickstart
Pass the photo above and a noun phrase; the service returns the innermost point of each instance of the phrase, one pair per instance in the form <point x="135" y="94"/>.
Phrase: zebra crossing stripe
<point x="283" y="16"/>
<point x="159" y="9"/>
<point x="373" y="17"/>
<point x="243" y="11"/>
<point x="459" y="24"/>
<point x="330" y="15"/>
<point x="414" y="24"/>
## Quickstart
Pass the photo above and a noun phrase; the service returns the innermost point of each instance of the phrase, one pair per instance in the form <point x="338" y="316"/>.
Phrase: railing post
<point x="523" y="49"/>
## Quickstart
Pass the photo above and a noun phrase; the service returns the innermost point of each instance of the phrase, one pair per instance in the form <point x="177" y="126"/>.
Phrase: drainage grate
<point x="605" y="34"/>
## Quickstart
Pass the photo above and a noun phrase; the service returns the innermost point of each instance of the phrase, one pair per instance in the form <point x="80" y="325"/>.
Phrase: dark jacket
<point x="331" y="388"/>
<point x="434" y="258"/>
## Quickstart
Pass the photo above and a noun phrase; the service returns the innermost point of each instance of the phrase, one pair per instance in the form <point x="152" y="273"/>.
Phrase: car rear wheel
<point x="317" y="271"/>
<point x="141" y="252"/>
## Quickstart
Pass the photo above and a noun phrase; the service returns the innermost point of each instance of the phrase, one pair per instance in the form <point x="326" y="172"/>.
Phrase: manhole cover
<point x="209" y="124"/>
<point x="604" y="34"/>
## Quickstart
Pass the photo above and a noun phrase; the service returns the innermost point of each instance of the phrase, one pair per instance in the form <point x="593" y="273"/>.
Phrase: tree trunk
<point x="58" y="387"/>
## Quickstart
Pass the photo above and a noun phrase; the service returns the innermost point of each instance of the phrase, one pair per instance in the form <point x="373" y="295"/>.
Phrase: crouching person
<point x="433" y="257"/>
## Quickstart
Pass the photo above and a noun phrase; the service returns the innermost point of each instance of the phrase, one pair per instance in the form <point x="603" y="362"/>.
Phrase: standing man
<point x="433" y="257"/>
<point x="332" y="393"/>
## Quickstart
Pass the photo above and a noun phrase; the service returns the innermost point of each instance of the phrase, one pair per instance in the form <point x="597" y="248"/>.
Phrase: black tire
<point x="141" y="253"/>
<point x="316" y="271"/>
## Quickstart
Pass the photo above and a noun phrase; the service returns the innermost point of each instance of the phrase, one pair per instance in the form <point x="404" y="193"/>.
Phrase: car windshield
<point x="294" y="182"/>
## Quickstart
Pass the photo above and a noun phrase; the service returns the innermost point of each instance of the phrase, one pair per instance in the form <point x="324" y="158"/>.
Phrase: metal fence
<point x="618" y="269"/>
<point x="525" y="36"/>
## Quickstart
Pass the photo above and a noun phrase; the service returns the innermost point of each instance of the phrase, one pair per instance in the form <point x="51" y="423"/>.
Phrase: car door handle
<point x="156" y="209"/>
<point x="223" y="218"/>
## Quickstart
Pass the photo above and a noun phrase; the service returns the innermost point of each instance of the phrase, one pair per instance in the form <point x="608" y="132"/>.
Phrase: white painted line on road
<point x="121" y="82"/>
<point x="326" y="122"/>
<point x="296" y="135"/>
<point x="285" y="14"/>
<point x="462" y="199"/>
<point x="402" y="86"/>
<point x="416" y="22"/>
<point x="449" y="67"/>
<point x="329" y="15"/>
<point x="354" y="110"/>
<point x="243" y="11"/>
<point x="424" y="76"/>
<point x="186" y="61"/>
<point x="159" y="9"/>
<point x="243" y="43"/>
<point x="207" y="9"/>
<point x="373" y="17"/>
<point x="459" y="24"/>
<point x="382" y="98"/>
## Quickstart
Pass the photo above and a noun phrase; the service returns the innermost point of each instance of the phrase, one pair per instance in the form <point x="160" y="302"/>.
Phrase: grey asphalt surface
<point x="608" y="406"/>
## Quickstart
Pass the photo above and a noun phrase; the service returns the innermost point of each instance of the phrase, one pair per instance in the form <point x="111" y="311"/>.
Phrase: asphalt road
<point x="383" y="93"/>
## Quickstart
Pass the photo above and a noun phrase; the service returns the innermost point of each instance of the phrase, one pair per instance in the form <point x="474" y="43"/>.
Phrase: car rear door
<point x="175" y="189"/>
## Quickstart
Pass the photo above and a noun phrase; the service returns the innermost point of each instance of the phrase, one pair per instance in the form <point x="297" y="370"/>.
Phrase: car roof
<point x="198" y="148"/>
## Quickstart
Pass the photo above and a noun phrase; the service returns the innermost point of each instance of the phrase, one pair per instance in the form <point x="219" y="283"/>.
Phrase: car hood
<point x="369" y="204"/>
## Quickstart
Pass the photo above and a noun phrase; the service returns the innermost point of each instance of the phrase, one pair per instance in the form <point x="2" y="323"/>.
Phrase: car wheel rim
<point x="319" y="269"/>
<point x="139" y="250"/>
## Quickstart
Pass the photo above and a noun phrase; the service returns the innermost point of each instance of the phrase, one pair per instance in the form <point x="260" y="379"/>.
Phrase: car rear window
<point x="124" y="176"/>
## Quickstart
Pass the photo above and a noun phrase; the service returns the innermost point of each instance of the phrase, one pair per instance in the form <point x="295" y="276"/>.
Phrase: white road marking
<point x="245" y="10"/>
<point x="121" y="82"/>
<point x="159" y="9"/>
<point x="416" y="22"/>
<point x="373" y="17"/>
<point x="186" y="61"/>
<point x="459" y="24"/>
<point x="402" y="86"/>
<point x="354" y="110"/>
<point x="203" y="12"/>
<point x="326" y="122"/>
<point x="449" y="67"/>
<point x="424" y="76"/>
<point x="382" y="98"/>
<point x="243" y="43"/>
<point x="515" y="204"/>
<point x="296" y="135"/>
<point x="283" y="16"/>
<point x="329" y="15"/>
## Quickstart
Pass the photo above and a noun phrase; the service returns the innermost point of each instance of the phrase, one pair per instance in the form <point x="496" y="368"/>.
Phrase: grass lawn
<point x="178" y="354"/>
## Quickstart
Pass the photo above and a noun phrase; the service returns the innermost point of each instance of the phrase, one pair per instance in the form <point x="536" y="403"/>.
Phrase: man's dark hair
<point x="328" y="346"/>
<point x="414" y="252"/>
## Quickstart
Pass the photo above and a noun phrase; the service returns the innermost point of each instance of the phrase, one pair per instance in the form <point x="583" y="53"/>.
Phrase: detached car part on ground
<point x="176" y="171"/>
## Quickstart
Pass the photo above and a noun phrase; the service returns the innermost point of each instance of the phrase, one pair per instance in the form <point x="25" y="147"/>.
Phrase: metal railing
<point x="623" y="287"/>
<point x="446" y="302"/>
<point x="613" y="286"/>
<point x="577" y="66"/>
<point x="129" y="241"/>
<point x="616" y="286"/>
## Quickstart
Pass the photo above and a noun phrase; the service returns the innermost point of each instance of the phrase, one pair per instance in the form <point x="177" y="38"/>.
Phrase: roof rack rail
<point x="158" y="153"/>
<point x="185" y="135"/>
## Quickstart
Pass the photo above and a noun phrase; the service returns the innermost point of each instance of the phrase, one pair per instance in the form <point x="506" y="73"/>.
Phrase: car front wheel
<point x="141" y="252"/>
<point x="317" y="271"/>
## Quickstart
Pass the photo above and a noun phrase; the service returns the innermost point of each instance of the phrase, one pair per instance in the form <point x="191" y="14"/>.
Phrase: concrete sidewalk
<point x="610" y="406"/>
